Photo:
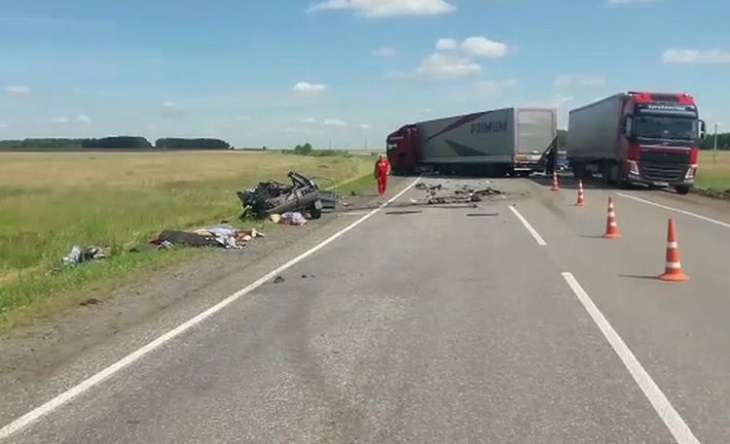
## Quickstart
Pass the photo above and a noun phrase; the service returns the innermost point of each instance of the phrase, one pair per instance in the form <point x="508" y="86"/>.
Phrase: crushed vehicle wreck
<point x="272" y="197"/>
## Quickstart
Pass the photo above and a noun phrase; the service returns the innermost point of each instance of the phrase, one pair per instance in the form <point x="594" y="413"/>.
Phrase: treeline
<point x="307" y="150"/>
<point x="191" y="144"/>
<point x="723" y="142"/>
<point x="113" y="143"/>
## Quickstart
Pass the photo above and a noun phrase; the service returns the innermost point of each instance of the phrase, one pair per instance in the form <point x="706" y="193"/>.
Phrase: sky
<point x="340" y="73"/>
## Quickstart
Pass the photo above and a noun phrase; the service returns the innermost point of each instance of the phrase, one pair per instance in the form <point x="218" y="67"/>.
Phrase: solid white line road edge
<point x="661" y="404"/>
<point x="676" y="210"/>
<point x="32" y="416"/>
<point x="540" y="241"/>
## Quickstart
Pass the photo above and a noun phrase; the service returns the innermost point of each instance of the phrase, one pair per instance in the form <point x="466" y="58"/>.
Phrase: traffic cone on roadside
<point x="581" y="197"/>
<point x="673" y="269"/>
<point x="556" y="182"/>
<point x="612" y="231"/>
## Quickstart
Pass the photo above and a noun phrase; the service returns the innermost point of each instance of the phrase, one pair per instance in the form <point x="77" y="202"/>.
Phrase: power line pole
<point x="714" y="150"/>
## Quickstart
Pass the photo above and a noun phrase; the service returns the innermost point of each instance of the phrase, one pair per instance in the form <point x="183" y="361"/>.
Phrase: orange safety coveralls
<point x="382" y="170"/>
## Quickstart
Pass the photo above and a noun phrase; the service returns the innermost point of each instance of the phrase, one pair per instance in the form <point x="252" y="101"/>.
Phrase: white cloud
<point x="695" y="56"/>
<point x="364" y="126"/>
<point x="170" y="109"/>
<point x="334" y="122"/>
<point x="386" y="8"/>
<point x="308" y="120"/>
<point x="483" y="47"/>
<point x="448" y="67"/>
<point x="579" y="81"/>
<point x="309" y="88"/>
<point x="490" y="88"/>
<point x="475" y="46"/>
<point x="631" y="2"/>
<point x="17" y="90"/>
<point x="446" y="45"/>
<point x="60" y="120"/>
<point x="83" y="118"/>
<point x="386" y="52"/>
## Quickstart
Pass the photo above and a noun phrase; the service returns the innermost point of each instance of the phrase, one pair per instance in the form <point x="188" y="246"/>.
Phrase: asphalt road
<point x="450" y="325"/>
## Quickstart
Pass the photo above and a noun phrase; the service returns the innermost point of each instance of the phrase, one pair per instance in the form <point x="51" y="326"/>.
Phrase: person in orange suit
<point x="382" y="171"/>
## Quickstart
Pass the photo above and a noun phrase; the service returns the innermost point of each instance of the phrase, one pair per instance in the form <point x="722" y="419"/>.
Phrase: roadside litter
<point x="221" y="236"/>
<point x="79" y="255"/>
<point x="293" y="218"/>
<point x="303" y="196"/>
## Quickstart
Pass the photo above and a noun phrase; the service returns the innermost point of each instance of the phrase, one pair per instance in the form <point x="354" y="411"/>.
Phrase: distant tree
<point x="303" y="150"/>
<point x="191" y="144"/>
<point x="121" y="142"/>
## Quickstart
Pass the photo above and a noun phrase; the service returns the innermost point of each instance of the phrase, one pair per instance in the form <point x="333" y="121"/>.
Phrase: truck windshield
<point x="661" y="127"/>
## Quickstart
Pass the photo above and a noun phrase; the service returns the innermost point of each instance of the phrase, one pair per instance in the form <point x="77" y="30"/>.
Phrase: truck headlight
<point x="633" y="167"/>
<point x="691" y="172"/>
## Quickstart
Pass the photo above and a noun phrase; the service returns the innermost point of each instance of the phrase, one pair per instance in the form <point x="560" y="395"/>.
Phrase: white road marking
<point x="659" y="401"/>
<point x="540" y="241"/>
<point x="676" y="210"/>
<point x="35" y="414"/>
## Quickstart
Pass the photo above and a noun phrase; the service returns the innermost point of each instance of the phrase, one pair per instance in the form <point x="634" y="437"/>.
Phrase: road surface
<point x="511" y="322"/>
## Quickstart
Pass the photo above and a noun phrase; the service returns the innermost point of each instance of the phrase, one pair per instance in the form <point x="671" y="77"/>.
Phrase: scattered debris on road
<point x="279" y="280"/>
<point x="272" y="197"/>
<point x="222" y="236"/>
<point x="79" y="255"/>
<point x="293" y="218"/>
<point x="399" y="213"/>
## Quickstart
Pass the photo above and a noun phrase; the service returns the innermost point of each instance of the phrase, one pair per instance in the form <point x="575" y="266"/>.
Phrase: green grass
<point x="714" y="175"/>
<point x="51" y="202"/>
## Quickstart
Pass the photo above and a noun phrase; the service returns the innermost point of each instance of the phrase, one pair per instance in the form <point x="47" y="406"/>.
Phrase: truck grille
<point x="663" y="172"/>
<point x="664" y="166"/>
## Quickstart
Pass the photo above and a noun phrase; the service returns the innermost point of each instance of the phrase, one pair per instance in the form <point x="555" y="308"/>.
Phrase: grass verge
<point x="51" y="202"/>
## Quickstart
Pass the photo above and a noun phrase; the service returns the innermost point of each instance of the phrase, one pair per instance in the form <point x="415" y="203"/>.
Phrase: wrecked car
<point x="273" y="197"/>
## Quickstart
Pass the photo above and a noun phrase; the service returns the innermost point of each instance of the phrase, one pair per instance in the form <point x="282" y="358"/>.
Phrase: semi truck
<point x="498" y="142"/>
<point x="639" y="138"/>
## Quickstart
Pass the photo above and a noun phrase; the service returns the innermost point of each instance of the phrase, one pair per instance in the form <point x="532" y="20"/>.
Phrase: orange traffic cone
<point x="581" y="198"/>
<point x="556" y="183"/>
<point x="673" y="270"/>
<point x="611" y="225"/>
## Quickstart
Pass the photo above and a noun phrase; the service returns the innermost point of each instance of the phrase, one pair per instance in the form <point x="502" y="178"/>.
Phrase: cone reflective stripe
<point x="612" y="231"/>
<point x="673" y="268"/>
<point x="556" y="183"/>
<point x="581" y="197"/>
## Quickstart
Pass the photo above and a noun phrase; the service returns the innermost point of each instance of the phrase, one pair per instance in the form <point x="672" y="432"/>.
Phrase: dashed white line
<point x="540" y="241"/>
<point x="35" y="414"/>
<point x="676" y="210"/>
<point x="679" y="429"/>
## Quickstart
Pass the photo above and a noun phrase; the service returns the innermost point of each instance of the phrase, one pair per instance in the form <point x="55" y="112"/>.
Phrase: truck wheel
<point x="683" y="189"/>
<point x="314" y="212"/>
<point x="579" y="170"/>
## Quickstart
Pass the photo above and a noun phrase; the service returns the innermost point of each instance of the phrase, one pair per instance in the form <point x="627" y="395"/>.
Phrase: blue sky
<point x="279" y="72"/>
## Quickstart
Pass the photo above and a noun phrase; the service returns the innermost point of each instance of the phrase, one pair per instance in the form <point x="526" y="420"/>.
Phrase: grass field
<point x="714" y="175"/>
<point x="49" y="202"/>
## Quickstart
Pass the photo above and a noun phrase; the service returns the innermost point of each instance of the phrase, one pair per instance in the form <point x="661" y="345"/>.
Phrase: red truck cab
<point x="660" y="139"/>
<point x="402" y="149"/>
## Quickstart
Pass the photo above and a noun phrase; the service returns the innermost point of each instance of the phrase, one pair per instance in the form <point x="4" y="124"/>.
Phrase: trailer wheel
<point x="579" y="170"/>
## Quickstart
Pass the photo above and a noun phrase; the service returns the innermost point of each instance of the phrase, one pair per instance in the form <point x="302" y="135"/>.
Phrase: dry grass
<point x="714" y="175"/>
<point x="49" y="202"/>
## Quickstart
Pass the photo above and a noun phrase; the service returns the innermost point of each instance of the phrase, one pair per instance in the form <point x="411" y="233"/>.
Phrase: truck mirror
<point x="703" y="129"/>
<point x="629" y="126"/>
